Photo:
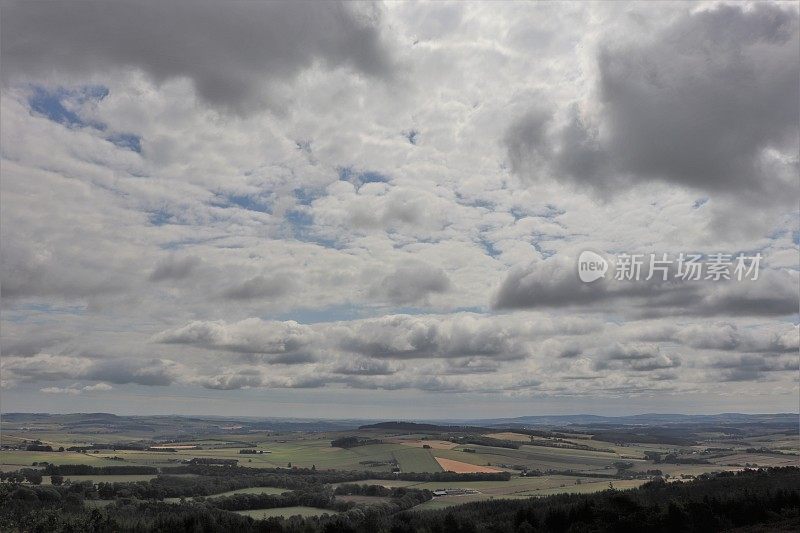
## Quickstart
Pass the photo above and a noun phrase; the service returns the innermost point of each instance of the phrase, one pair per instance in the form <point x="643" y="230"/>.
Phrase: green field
<point x="416" y="459"/>
<point x="254" y="490"/>
<point x="249" y="490"/>
<point x="23" y="458"/>
<point x="285" y="512"/>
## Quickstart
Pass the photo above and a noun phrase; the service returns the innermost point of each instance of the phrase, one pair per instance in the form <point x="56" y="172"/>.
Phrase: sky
<point x="376" y="210"/>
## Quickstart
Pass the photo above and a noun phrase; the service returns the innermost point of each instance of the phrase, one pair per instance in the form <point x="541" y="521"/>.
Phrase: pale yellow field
<point x="516" y="437"/>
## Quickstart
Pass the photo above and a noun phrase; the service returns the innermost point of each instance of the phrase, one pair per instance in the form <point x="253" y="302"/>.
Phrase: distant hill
<point x="647" y="419"/>
<point x="421" y="428"/>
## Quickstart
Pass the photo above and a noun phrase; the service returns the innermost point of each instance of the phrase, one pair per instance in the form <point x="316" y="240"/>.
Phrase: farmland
<point x="260" y="469"/>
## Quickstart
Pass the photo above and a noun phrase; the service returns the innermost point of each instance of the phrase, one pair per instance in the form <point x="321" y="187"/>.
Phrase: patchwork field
<point x="410" y="451"/>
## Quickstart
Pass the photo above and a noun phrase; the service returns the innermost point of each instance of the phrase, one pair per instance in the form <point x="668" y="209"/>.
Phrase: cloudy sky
<point x="375" y="210"/>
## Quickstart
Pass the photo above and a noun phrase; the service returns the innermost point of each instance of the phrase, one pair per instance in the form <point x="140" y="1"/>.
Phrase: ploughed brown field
<point x="449" y="465"/>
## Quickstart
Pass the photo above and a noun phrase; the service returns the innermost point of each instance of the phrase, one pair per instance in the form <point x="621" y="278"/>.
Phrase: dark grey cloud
<point x="700" y="104"/>
<point x="554" y="283"/>
<point x="174" y="268"/>
<point x="30" y="342"/>
<point x="231" y="51"/>
<point x="143" y="372"/>
<point x="123" y="370"/>
<point x="412" y="283"/>
<point x="24" y="273"/>
<point x="752" y="367"/>
<point x="269" y="286"/>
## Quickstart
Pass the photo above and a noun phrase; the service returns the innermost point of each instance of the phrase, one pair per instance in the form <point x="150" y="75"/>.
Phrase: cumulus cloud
<point x="232" y="52"/>
<point x="251" y="335"/>
<point x="709" y="102"/>
<point x="60" y="390"/>
<point x="74" y="390"/>
<point x="411" y="283"/>
<point x="394" y="336"/>
<point x="269" y="286"/>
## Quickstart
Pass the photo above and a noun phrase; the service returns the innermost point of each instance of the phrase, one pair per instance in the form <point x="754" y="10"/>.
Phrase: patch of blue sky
<point x="62" y="105"/>
<point x="34" y="313"/>
<point x="476" y="202"/>
<point x="59" y="104"/>
<point x="360" y="178"/>
<point x="327" y="314"/>
<point x="303" y="231"/>
<point x="183" y="243"/>
<point x="301" y="223"/>
<point x="470" y="309"/>
<point x="127" y="141"/>
<point x="299" y="218"/>
<point x="552" y="211"/>
<point x="160" y="217"/>
<point x="489" y="248"/>
<point x="544" y="252"/>
<point x="518" y="213"/>
<point x="700" y="202"/>
<point x="305" y="195"/>
<point x="250" y="202"/>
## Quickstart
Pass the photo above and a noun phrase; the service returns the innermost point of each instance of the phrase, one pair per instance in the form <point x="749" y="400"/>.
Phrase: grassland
<point x="249" y="490"/>
<point x="416" y="459"/>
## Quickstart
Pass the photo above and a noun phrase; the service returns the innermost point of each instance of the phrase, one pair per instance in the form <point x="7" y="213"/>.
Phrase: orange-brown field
<point x="449" y="465"/>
